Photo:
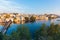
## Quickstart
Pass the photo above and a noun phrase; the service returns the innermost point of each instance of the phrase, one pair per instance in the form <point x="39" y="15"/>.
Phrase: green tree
<point x="51" y="32"/>
<point x="1" y="36"/>
<point x="54" y="31"/>
<point x="26" y="19"/>
<point x="32" y="19"/>
<point x="22" y="33"/>
<point x="41" y="34"/>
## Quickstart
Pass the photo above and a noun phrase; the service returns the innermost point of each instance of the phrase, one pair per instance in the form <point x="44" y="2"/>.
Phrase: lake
<point x="31" y="26"/>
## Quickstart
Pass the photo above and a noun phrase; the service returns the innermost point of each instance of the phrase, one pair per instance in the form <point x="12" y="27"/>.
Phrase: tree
<point x="26" y="19"/>
<point x="41" y="34"/>
<point x="22" y="33"/>
<point x="32" y="19"/>
<point x="7" y="16"/>
<point x="54" y="31"/>
<point x="51" y="32"/>
<point x="1" y="36"/>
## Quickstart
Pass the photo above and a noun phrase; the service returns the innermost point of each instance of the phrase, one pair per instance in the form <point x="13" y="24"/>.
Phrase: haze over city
<point x="30" y="6"/>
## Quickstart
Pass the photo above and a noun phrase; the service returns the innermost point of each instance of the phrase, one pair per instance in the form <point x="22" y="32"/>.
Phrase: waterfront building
<point x="37" y="17"/>
<point x="12" y="15"/>
<point x="43" y="17"/>
<point x="22" y="18"/>
<point x="7" y="19"/>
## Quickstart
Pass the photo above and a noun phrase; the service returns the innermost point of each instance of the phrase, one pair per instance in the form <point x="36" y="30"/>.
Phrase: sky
<point x="30" y="6"/>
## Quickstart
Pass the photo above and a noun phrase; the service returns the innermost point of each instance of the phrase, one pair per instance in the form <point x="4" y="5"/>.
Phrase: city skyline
<point x="30" y="6"/>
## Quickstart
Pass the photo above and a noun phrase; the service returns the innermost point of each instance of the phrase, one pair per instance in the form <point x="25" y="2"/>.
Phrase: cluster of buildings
<point x="14" y="17"/>
<point x="18" y="18"/>
<point x="46" y="16"/>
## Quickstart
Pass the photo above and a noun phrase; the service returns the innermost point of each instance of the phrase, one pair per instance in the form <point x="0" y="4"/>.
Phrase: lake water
<point x="32" y="26"/>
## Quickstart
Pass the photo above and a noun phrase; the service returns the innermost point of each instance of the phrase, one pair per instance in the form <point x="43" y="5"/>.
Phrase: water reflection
<point x="56" y="21"/>
<point x="22" y="22"/>
<point x="33" y="26"/>
<point x="1" y="27"/>
<point x="41" y="21"/>
<point x="19" y="22"/>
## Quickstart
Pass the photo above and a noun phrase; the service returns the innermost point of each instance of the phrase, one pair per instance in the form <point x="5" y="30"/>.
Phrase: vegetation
<point x="14" y="20"/>
<point x="7" y="16"/>
<point x="22" y="33"/>
<point x="32" y="19"/>
<point x="48" y="33"/>
<point x="26" y="19"/>
<point x="1" y="36"/>
<point x="51" y="32"/>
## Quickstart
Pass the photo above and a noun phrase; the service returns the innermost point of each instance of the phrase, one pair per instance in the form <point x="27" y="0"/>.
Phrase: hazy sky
<point x="30" y="6"/>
